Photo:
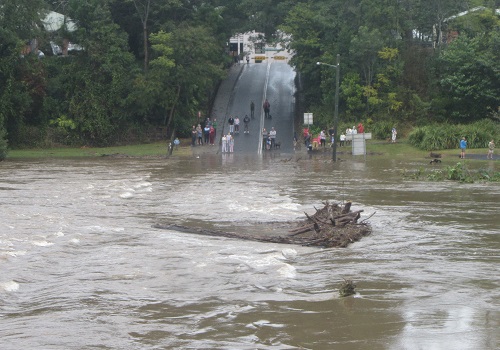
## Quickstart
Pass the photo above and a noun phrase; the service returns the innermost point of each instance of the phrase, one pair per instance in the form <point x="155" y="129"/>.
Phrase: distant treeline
<point x="145" y="64"/>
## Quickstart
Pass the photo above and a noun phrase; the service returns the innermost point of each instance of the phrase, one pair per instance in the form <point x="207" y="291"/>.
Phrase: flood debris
<point x="347" y="288"/>
<point x="334" y="225"/>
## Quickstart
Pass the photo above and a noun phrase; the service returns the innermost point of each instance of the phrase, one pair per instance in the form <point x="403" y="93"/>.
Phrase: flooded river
<point x="83" y="268"/>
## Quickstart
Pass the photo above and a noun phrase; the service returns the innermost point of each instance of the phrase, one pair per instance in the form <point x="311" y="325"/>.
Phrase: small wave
<point x="42" y="243"/>
<point x="16" y="253"/>
<point x="9" y="286"/>
<point x="126" y="195"/>
<point x="143" y="184"/>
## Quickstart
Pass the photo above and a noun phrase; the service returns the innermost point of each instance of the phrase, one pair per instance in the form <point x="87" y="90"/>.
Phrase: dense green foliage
<point x="394" y="67"/>
<point x="146" y="64"/>
<point x="459" y="172"/>
<point x="446" y="136"/>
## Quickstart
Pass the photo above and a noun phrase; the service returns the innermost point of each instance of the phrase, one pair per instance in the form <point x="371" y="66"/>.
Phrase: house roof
<point x="479" y="8"/>
<point x="54" y="21"/>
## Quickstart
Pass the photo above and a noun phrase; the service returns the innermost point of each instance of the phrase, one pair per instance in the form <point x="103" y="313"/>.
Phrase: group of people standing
<point x="204" y="135"/>
<point x="269" y="138"/>
<point x="227" y="143"/>
<point x="463" y="147"/>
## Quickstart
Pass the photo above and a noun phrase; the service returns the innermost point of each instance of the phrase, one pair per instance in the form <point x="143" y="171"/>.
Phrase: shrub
<point x="447" y="136"/>
<point x="381" y="130"/>
<point x="4" y="146"/>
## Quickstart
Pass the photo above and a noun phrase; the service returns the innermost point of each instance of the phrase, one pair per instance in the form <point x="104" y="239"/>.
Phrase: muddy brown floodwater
<point x="84" y="268"/>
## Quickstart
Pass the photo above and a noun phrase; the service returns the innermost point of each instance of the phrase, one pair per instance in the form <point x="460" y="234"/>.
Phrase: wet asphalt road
<point x="256" y="82"/>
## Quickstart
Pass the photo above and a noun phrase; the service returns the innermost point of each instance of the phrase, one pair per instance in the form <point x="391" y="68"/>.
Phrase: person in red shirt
<point x="361" y="129"/>
<point x="211" y="134"/>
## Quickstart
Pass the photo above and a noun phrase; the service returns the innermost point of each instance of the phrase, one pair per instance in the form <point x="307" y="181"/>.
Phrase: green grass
<point x="140" y="150"/>
<point x="401" y="149"/>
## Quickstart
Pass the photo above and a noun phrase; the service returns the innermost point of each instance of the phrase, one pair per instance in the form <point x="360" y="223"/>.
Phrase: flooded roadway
<point x="82" y="267"/>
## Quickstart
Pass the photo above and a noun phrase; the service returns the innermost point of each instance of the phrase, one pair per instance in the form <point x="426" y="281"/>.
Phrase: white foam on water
<point x="9" y="286"/>
<point x="16" y="253"/>
<point x="42" y="243"/>
<point x="143" y="184"/>
<point x="126" y="195"/>
<point x="287" y="271"/>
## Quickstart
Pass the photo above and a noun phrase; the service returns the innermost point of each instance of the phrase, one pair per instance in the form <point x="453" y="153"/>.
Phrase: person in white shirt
<point x="224" y="144"/>
<point x="342" y="140"/>
<point x="237" y="125"/>
<point x="272" y="135"/>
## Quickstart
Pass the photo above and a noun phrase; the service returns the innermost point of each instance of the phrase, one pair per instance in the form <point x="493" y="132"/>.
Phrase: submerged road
<point x="256" y="82"/>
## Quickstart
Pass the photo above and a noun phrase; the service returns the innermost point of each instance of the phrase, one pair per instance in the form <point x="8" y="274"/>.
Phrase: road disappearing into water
<point x="273" y="80"/>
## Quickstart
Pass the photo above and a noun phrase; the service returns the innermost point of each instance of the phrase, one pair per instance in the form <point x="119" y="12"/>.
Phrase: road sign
<point x="359" y="143"/>
<point x="308" y="118"/>
<point x="261" y="58"/>
<point x="279" y="57"/>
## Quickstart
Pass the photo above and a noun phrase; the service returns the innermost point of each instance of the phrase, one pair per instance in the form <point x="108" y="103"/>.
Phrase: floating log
<point x="333" y="225"/>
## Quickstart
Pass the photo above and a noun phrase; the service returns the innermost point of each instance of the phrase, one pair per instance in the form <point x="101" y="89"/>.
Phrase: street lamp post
<point x="336" y="114"/>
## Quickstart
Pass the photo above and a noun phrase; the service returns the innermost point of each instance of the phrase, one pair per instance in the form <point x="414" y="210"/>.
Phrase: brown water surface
<point x="82" y="267"/>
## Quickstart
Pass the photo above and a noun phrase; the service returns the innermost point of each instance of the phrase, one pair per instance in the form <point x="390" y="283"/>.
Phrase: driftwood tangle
<point x="334" y="225"/>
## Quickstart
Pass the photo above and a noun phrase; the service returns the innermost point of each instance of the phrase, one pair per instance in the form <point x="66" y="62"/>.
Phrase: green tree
<point x="97" y="80"/>
<point x="469" y="76"/>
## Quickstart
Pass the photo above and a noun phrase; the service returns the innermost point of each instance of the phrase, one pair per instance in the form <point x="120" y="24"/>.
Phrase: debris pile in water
<point x="334" y="225"/>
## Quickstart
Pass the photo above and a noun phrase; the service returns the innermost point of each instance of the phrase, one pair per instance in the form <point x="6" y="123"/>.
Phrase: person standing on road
<point x="231" y="124"/>
<point x="237" y="125"/>
<point x="199" y="132"/>
<point x="230" y="141"/>
<point x="322" y="138"/>
<point x="214" y="124"/>
<point x="194" y="133"/>
<point x="463" y="147"/>
<point x="264" y="137"/>
<point x="246" y="121"/>
<point x="491" y="148"/>
<point x="212" y="135"/>
<point x="252" y="109"/>
<point x="206" y="131"/>
<point x="224" y="144"/>
<point x="267" y="108"/>
<point x="272" y="135"/>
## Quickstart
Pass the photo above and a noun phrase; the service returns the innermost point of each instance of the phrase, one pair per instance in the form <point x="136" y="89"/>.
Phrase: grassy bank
<point x="400" y="150"/>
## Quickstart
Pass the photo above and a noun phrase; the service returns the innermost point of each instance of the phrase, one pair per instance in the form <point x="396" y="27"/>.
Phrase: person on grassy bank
<point x="491" y="148"/>
<point x="463" y="147"/>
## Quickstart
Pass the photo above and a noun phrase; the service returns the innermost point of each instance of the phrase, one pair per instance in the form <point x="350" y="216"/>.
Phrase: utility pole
<point x="336" y="113"/>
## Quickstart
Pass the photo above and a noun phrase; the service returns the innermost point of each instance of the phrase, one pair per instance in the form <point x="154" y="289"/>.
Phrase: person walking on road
<point x="252" y="109"/>
<point x="267" y="108"/>
<point x="491" y="148"/>
<point x="264" y="137"/>
<point x="463" y="147"/>
<point x="246" y="120"/>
